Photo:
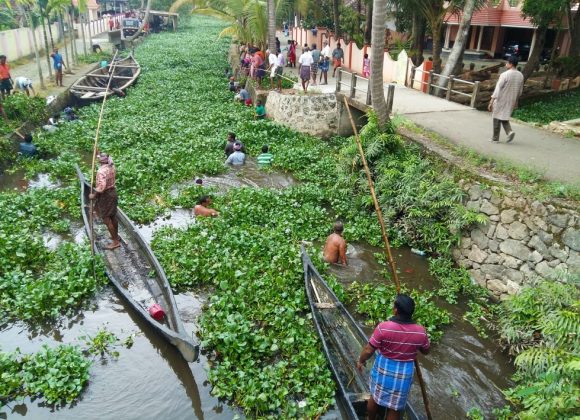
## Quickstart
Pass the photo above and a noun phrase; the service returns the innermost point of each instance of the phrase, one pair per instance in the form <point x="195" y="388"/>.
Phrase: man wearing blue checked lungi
<point x="396" y="342"/>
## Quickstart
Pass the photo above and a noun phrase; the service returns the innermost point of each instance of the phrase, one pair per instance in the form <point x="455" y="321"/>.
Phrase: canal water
<point x="151" y="380"/>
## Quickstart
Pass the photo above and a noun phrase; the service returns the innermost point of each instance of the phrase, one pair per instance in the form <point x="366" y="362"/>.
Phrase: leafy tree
<point x="542" y="13"/>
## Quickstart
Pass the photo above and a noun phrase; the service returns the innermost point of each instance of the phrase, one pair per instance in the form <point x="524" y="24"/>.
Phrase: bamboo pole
<point x="95" y="147"/>
<point x="387" y="246"/>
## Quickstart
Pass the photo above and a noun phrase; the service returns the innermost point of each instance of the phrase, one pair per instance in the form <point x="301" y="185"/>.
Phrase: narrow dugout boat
<point x="342" y="341"/>
<point x="93" y="85"/>
<point x="138" y="276"/>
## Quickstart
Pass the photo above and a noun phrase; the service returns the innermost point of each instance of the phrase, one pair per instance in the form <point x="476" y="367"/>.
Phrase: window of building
<point x="513" y="3"/>
<point x="495" y="3"/>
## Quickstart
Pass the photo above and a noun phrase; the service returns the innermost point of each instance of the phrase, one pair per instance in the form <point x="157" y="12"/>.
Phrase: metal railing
<point x="354" y="86"/>
<point x="451" y="82"/>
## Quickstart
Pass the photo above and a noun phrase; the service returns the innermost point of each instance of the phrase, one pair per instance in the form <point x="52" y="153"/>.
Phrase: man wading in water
<point x="335" y="247"/>
<point x="396" y="342"/>
<point x="106" y="198"/>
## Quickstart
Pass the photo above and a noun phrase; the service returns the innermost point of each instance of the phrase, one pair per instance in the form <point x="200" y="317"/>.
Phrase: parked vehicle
<point x="130" y="26"/>
<point x="518" y="49"/>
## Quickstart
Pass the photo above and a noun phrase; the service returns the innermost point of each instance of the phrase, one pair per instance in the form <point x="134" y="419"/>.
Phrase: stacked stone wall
<point x="525" y="239"/>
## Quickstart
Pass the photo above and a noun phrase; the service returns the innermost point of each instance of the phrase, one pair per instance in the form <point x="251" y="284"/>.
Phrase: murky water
<point x="151" y="379"/>
<point x="463" y="370"/>
<point x="17" y="181"/>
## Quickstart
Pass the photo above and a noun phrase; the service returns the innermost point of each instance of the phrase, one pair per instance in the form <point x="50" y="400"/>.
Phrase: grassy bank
<point x="561" y="106"/>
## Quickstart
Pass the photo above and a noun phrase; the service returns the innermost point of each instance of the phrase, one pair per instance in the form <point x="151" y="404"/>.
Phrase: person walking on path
<point x="24" y="84"/>
<point x="504" y="100"/>
<point x="337" y="58"/>
<point x="324" y="67"/>
<point x="315" y="62"/>
<point x="396" y="342"/>
<point x="325" y="50"/>
<point x="106" y="198"/>
<point x="366" y="66"/>
<point x="334" y="251"/>
<point x="280" y="62"/>
<point x="5" y="77"/>
<point x="292" y="54"/>
<point x="58" y="64"/>
<point x="305" y="62"/>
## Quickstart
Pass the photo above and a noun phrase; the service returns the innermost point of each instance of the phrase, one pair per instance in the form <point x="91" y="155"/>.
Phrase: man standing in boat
<point x="396" y="342"/>
<point x="106" y="198"/>
<point x="335" y="247"/>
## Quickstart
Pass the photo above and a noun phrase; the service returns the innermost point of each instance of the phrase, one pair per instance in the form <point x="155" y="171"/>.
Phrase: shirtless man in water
<point x="335" y="247"/>
<point x="202" y="208"/>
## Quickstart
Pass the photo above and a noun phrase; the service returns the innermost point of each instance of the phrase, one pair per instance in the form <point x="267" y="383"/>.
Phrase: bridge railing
<point x="357" y="84"/>
<point x="433" y="86"/>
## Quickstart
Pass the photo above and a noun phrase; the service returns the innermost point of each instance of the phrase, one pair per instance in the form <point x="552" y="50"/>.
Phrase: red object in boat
<point x="409" y="270"/>
<point x="157" y="312"/>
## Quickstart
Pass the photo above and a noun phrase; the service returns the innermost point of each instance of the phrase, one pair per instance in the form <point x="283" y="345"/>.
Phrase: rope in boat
<point x="387" y="245"/>
<point x="95" y="146"/>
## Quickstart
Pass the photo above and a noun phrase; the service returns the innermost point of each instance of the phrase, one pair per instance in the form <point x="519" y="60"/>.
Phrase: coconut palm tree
<point x="26" y="8"/>
<point x="42" y="9"/>
<point x="378" y="53"/>
<point x="272" y="26"/>
<point x="453" y="65"/>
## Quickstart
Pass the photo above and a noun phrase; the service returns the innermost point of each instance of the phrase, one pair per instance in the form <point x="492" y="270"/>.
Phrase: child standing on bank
<point x="366" y="66"/>
<point x="324" y="66"/>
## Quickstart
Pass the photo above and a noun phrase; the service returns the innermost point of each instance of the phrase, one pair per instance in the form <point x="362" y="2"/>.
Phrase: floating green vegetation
<point x="57" y="375"/>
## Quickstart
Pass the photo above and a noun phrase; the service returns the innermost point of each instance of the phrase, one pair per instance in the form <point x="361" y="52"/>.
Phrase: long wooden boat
<point x="138" y="276"/>
<point x="342" y="341"/>
<point x="93" y="85"/>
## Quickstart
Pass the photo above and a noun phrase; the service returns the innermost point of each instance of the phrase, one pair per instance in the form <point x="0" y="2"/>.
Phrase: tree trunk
<point x="419" y="29"/>
<point x="336" y="12"/>
<point x="88" y="20"/>
<point x="42" y="21"/>
<point x="453" y="65"/>
<point x="35" y="45"/>
<point x="82" y="20"/>
<point x="145" y="20"/>
<point x="437" y="45"/>
<point x="378" y="53"/>
<point x="73" y="42"/>
<point x="272" y="26"/>
<point x="574" y="35"/>
<point x="534" y="58"/>
<point x="369" y="23"/>
<point x="50" y="32"/>
<point x="66" y="55"/>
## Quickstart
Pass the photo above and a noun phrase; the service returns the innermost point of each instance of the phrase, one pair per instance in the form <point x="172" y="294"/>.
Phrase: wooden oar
<point x="95" y="147"/>
<point x="387" y="245"/>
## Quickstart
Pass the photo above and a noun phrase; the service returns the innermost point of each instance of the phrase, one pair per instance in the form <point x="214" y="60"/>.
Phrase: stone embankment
<point x="525" y="239"/>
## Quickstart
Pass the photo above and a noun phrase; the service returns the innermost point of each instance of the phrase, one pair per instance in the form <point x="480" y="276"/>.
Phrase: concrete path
<point x="30" y="68"/>
<point x="555" y="156"/>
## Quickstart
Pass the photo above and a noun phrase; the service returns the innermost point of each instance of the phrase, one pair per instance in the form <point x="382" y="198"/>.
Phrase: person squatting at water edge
<point x="396" y="343"/>
<point x="334" y="251"/>
<point x="106" y="198"/>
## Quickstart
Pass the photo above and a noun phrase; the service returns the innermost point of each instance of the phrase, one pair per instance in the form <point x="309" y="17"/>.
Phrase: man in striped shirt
<point x="396" y="342"/>
<point x="266" y="158"/>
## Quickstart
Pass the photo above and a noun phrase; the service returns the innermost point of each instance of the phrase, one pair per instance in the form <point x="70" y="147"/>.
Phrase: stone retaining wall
<point x="525" y="239"/>
<point x="311" y="114"/>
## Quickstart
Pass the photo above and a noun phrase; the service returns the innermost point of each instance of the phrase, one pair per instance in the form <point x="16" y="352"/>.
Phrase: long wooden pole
<point x="95" y="148"/>
<point x="387" y="245"/>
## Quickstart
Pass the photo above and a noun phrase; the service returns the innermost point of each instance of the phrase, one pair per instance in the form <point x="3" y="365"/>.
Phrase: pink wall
<point x="353" y="55"/>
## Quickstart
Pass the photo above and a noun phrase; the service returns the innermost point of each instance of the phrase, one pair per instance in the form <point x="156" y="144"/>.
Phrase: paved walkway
<point x="555" y="156"/>
<point x="30" y="68"/>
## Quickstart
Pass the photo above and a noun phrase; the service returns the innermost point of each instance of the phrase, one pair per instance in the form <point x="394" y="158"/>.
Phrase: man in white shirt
<point x="272" y="63"/>
<point x="24" y="83"/>
<point x="305" y="61"/>
<point x="325" y="50"/>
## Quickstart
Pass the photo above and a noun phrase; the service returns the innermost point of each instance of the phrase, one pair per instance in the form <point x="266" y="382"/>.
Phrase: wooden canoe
<point x="342" y="341"/>
<point x="138" y="276"/>
<point x="93" y="85"/>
